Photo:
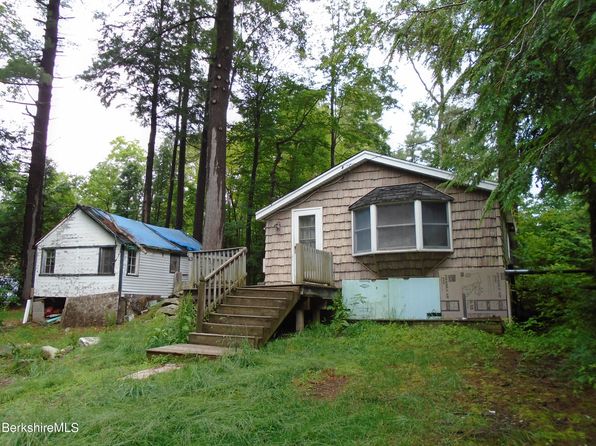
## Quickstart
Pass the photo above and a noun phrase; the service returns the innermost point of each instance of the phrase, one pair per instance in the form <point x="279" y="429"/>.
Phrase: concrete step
<point x="256" y="301"/>
<point x="241" y="319"/>
<point x="286" y="293"/>
<point x="247" y="309"/>
<point x="207" y="351"/>
<point x="229" y="329"/>
<point x="222" y="340"/>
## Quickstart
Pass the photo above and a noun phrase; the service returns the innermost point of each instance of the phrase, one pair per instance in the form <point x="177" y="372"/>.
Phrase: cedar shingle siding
<point x="477" y="238"/>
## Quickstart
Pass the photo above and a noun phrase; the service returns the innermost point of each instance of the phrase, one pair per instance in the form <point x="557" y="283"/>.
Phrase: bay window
<point x="403" y="218"/>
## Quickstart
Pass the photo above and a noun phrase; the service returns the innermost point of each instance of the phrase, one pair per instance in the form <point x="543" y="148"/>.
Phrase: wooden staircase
<point x="231" y="315"/>
<point x="248" y="316"/>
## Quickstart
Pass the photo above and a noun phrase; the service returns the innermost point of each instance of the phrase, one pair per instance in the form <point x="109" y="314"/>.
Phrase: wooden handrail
<point x="226" y="263"/>
<point x="214" y="287"/>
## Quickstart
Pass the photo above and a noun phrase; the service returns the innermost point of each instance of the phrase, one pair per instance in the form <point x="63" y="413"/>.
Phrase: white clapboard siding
<point x="75" y="274"/>
<point x="78" y="229"/>
<point x="154" y="277"/>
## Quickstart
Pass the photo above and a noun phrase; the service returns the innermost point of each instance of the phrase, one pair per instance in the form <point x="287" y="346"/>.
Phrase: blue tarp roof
<point x="139" y="233"/>
<point x="178" y="237"/>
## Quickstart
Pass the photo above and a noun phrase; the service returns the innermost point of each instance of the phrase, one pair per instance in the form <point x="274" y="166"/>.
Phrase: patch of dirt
<point x="518" y="396"/>
<point x="324" y="385"/>
<point x="5" y="382"/>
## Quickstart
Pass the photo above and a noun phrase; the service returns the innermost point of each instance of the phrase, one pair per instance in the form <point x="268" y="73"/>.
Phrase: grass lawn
<point x="370" y="385"/>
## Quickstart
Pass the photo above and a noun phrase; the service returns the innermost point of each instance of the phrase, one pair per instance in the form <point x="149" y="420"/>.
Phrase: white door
<point x="307" y="228"/>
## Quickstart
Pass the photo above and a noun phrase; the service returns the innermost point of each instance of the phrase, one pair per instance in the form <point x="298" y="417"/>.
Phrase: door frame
<point x="296" y="214"/>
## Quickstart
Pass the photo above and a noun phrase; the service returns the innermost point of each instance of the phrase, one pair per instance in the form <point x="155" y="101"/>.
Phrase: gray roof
<point x="401" y="193"/>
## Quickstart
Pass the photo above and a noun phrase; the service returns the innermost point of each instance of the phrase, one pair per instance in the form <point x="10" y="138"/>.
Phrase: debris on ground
<point x="144" y="374"/>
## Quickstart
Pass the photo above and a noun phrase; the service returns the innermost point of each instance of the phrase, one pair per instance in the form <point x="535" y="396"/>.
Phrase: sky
<point x="81" y="128"/>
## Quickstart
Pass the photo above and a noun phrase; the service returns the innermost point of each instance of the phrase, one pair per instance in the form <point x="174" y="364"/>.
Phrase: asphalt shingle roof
<point x="399" y="194"/>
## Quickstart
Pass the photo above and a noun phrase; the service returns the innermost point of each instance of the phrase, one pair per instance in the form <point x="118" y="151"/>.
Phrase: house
<point x="93" y="256"/>
<point x="404" y="245"/>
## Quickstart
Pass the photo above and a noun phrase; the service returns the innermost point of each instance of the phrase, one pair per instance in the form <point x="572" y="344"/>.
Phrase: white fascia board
<point x="354" y="161"/>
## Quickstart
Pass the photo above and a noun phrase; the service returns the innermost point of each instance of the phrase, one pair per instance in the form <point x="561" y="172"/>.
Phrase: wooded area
<point x="510" y="96"/>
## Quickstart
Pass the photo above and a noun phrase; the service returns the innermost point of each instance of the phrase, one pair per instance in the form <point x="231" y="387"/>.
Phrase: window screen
<point x="106" y="260"/>
<point x="396" y="226"/>
<point x="307" y="230"/>
<point x="435" y="225"/>
<point x="362" y="230"/>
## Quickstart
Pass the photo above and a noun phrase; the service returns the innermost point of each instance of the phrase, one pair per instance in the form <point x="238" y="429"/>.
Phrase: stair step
<point x="247" y="309"/>
<point x="222" y="340"/>
<point x="241" y="319"/>
<point x="229" y="329"/>
<point x="285" y="293"/>
<point x="256" y="301"/>
<point x="207" y="351"/>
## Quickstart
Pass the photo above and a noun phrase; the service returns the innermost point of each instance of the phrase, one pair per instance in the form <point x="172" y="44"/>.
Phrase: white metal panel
<point x="77" y="230"/>
<point x="154" y="277"/>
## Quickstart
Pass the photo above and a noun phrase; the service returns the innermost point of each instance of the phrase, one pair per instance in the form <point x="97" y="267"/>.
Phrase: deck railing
<point x="313" y="265"/>
<point x="203" y="263"/>
<point x="218" y="282"/>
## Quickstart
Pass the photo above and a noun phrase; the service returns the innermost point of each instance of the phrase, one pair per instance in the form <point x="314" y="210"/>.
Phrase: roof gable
<point x="355" y="161"/>
<point x="399" y="194"/>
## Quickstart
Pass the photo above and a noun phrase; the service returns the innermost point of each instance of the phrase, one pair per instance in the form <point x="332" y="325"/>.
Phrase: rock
<point x="129" y="317"/>
<point x="49" y="352"/>
<point x="87" y="341"/>
<point x="169" y="310"/>
<point x="170" y="301"/>
<point x="5" y="351"/>
<point x="144" y="374"/>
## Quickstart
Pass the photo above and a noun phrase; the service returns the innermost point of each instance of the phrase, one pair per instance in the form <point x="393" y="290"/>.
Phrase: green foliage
<point x="341" y="313"/>
<point x="523" y="74"/>
<point x="176" y="331"/>
<point x="116" y="184"/>
<point x="553" y="233"/>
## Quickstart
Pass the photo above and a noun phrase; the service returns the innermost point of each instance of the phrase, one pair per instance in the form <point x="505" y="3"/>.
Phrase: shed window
<point x="174" y="263"/>
<point x="362" y="230"/>
<point x="132" y="263"/>
<point x="435" y="225"/>
<point x="396" y="226"/>
<point x="106" y="260"/>
<point x="48" y="261"/>
<point x="411" y="226"/>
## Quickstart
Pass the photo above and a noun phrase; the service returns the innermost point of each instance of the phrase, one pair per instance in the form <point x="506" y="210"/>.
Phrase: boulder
<point x="87" y="341"/>
<point x="170" y="301"/>
<point x="168" y="310"/>
<point x="49" y="352"/>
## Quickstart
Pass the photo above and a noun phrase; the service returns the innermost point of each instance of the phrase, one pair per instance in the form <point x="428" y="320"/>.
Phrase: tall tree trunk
<point x="216" y="153"/>
<point x="173" y="165"/>
<point x="184" y="112"/>
<point x="333" y="142"/>
<point x="250" y="213"/>
<point x="34" y="201"/>
<point x="155" y="78"/>
<point x="197" y="232"/>
<point x="592" y="213"/>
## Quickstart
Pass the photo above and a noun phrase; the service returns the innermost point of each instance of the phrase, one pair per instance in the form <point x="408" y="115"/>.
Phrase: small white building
<point x="92" y="252"/>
